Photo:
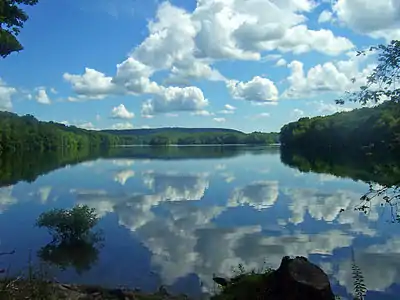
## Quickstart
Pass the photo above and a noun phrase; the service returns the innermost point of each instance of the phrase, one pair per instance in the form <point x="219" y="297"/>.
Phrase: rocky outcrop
<point x="295" y="279"/>
<point x="298" y="278"/>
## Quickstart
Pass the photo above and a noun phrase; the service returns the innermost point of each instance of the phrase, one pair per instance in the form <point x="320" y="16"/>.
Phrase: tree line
<point x="26" y="133"/>
<point x="372" y="129"/>
<point x="368" y="129"/>
<point x="205" y="138"/>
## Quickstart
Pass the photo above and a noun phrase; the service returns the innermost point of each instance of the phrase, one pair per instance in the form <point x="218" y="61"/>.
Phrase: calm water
<point x="176" y="220"/>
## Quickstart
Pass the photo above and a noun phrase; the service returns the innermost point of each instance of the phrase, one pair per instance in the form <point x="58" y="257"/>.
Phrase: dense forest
<point x="187" y="152"/>
<point x="201" y="138"/>
<point x="169" y="130"/>
<point x="371" y="129"/>
<point x="26" y="133"/>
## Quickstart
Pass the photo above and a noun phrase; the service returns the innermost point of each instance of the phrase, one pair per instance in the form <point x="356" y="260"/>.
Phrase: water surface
<point x="177" y="216"/>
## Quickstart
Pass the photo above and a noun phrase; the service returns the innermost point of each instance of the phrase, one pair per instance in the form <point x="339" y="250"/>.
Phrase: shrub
<point x="69" y="224"/>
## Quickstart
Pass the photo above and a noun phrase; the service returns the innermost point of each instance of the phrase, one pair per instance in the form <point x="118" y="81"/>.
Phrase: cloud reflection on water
<point x="205" y="217"/>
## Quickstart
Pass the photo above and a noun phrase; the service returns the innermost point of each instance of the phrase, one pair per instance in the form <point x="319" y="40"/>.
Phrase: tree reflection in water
<point x="74" y="242"/>
<point x="80" y="254"/>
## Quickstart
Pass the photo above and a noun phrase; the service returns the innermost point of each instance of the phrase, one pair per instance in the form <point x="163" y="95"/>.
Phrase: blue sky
<point x="244" y="64"/>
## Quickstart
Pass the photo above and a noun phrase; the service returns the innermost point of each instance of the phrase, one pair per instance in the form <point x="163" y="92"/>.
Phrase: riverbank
<point x="306" y="281"/>
<point x="18" y="289"/>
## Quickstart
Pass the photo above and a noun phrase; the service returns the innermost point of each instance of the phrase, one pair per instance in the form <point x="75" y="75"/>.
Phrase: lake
<point x="178" y="215"/>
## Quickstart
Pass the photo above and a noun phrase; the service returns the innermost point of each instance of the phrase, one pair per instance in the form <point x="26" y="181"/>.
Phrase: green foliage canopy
<point x="26" y="133"/>
<point x="69" y="224"/>
<point x="12" y="19"/>
<point x="367" y="129"/>
<point x="383" y="82"/>
<point x="78" y="254"/>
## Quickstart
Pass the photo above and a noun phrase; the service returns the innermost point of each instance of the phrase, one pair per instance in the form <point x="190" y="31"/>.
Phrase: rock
<point x="221" y="281"/>
<point x="298" y="279"/>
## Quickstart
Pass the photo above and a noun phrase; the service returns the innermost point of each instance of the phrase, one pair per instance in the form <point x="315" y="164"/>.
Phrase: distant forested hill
<point x="192" y="136"/>
<point x="376" y="128"/>
<point x="166" y="130"/>
<point x="26" y="133"/>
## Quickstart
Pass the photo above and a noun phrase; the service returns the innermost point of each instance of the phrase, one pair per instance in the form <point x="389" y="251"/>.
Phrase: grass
<point x="38" y="289"/>
<point x="37" y="284"/>
<point x="245" y="284"/>
<point x="32" y="285"/>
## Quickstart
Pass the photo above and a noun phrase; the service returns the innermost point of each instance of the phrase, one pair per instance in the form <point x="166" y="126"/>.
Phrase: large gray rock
<point x="298" y="279"/>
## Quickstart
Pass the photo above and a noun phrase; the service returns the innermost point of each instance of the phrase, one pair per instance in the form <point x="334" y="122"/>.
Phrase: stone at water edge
<point x="221" y="281"/>
<point x="298" y="279"/>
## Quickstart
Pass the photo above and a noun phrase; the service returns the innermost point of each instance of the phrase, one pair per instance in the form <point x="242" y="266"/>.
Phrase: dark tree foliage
<point x="383" y="82"/>
<point x="27" y="166"/>
<point x="202" y="138"/>
<point x="74" y="242"/>
<point x="25" y="133"/>
<point x="12" y="19"/>
<point x="380" y="170"/>
<point x="159" y="140"/>
<point x="69" y="224"/>
<point x="366" y="129"/>
<point x="78" y="254"/>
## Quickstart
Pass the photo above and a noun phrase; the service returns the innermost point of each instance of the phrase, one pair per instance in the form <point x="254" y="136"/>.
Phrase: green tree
<point x="12" y="19"/>
<point x="159" y="140"/>
<point x="383" y="82"/>
<point x="69" y="224"/>
<point x="74" y="243"/>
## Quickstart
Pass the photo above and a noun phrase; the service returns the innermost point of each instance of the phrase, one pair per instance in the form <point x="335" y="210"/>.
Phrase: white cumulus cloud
<point x="325" y="16"/>
<point x="6" y="93"/>
<point x="92" y="84"/>
<point x="229" y="107"/>
<point x="281" y="62"/>
<point x="175" y="99"/>
<point x="204" y="113"/>
<point x="122" y="125"/>
<point x="378" y="19"/>
<point x="120" y="112"/>
<point x="330" y="77"/>
<point x="258" y="89"/>
<point x="183" y="45"/>
<point x="219" y="120"/>
<point x="42" y="96"/>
